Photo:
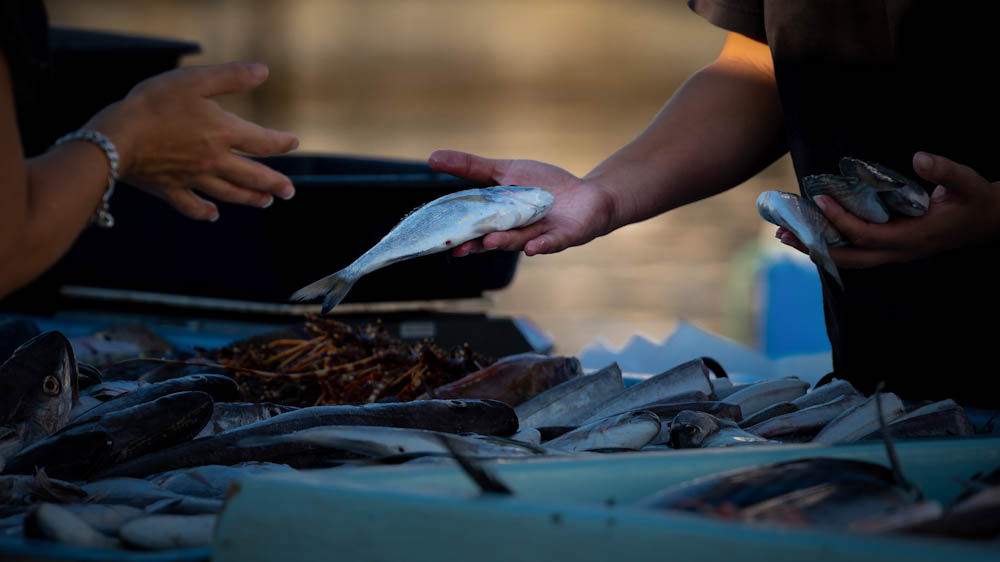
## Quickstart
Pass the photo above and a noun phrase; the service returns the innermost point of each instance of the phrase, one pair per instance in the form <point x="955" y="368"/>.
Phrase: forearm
<point x="719" y="129"/>
<point x="57" y="195"/>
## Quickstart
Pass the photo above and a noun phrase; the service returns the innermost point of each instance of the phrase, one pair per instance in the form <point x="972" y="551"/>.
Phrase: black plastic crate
<point x="342" y="207"/>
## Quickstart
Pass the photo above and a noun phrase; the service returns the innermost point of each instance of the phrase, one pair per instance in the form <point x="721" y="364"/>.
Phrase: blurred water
<point x="563" y="81"/>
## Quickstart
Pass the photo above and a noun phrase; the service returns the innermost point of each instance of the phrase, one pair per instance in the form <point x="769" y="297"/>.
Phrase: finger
<point x="789" y="239"/>
<point x="229" y="78"/>
<point x="468" y="166"/>
<point x="470" y="247"/>
<point x="189" y="204"/>
<point x="247" y="174"/>
<point x="957" y="178"/>
<point x="252" y="139"/>
<point x="853" y="228"/>
<point x="514" y="240"/>
<point x="223" y="190"/>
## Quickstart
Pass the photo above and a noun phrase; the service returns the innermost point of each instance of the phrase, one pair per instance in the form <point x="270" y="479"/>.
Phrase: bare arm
<point x="720" y="128"/>
<point x="172" y="139"/>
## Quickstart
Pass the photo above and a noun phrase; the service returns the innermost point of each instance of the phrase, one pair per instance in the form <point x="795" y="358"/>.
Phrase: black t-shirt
<point x="881" y="80"/>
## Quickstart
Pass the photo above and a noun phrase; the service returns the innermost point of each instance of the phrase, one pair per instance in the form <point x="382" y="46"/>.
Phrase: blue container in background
<point x="789" y="307"/>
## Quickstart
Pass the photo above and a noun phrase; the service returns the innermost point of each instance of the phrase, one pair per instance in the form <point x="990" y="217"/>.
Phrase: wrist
<point x="109" y="122"/>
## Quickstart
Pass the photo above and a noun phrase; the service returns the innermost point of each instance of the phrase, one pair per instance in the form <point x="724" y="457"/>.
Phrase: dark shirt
<point x="881" y="80"/>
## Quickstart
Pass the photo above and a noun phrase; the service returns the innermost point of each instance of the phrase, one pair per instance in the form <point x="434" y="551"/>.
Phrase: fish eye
<point x="690" y="429"/>
<point x="106" y="337"/>
<point x="51" y="385"/>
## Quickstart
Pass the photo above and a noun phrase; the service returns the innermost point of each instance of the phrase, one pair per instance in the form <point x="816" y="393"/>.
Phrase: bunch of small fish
<point x="869" y="191"/>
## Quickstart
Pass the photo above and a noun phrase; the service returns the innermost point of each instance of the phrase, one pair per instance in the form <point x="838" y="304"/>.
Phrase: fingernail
<point x="821" y="202"/>
<point x="291" y="193"/>
<point x="270" y="201"/>
<point x="214" y="218"/>
<point x="923" y="161"/>
<point x="939" y="194"/>
<point x="258" y="69"/>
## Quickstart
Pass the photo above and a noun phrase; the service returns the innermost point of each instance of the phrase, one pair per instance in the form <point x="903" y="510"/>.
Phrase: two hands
<point x="964" y="210"/>
<point x="174" y="139"/>
<point x="583" y="210"/>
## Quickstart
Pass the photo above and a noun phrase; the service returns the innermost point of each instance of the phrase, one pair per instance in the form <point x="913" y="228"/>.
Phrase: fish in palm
<point x="435" y="227"/>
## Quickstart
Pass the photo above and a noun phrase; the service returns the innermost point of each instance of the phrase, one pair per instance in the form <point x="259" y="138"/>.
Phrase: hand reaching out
<point x="582" y="210"/>
<point x="174" y="139"/>
<point x="964" y="210"/>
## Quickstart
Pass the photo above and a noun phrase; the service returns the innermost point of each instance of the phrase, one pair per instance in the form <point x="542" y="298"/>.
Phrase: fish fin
<point x="487" y="481"/>
<point x="822" y="258"/>
<point x="335" y="287"/>
<point x="890" y="449"/>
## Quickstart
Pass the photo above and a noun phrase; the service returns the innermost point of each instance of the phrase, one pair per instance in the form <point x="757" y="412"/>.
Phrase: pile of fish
<point x="144" y="459"/>
<point x="869" y="191"/>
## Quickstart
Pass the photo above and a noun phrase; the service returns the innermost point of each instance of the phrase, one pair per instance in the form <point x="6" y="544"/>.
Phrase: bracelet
<point x="102" y="216"/>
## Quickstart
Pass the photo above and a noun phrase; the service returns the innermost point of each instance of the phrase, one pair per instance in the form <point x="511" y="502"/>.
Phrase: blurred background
<point x="562" y="81"/>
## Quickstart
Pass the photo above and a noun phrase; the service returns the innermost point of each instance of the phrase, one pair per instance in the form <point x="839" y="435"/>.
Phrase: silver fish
<point x="142" y="494"/>
<point x="759" y="395"/>
<point x="53" y="522"/>
<point x="772" y="411"/>
<point x="211" y="481"/>
<point x="569" y="402"/>
<point x="692" y="430"/>
<point x="105" y="518"/>
<point x="940" y="419"/>
<point x="692" y="375"/>
<point x="853" y="194"/>
<point x="859" y="421"/>
<point x="435" y="227"/>
<point x="806" y="421"/>
<point x="825" y="393"/>
<point x="631" y="430"/>
<point x="804" y="219"/>
<point x="377" y="441"/>
<point x="230" y="415"/>
<point x="167" y="532"/>
<point x="899" y="193"/>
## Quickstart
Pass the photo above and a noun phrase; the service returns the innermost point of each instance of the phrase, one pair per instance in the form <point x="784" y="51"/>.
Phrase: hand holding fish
<point x="582" y="210"/>
<point x="173" y="139"/>
<point x="964" y="210"/>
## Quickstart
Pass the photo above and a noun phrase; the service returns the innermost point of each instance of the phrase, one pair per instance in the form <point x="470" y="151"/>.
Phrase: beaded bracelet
<point x="102" y="216"/>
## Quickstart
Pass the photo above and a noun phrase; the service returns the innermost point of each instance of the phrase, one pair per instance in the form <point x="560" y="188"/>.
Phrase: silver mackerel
<point x="435" y="227"/>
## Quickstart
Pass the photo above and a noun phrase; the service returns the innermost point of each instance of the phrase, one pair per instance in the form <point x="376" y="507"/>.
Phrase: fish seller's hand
<point x="964" y="210"/>
<point x="582" y="210"/>
<point x="173" y="140"/>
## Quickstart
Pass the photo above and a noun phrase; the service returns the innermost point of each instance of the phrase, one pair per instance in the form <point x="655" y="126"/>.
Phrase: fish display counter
<point x="583" y="508"/>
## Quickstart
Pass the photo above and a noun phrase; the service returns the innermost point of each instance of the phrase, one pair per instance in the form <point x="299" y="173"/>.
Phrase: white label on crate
<point x="417" y="330"/>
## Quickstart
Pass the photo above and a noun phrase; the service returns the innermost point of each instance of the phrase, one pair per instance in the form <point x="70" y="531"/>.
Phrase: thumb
<point x="956" y="179"/>
<point x="230" y="78"/>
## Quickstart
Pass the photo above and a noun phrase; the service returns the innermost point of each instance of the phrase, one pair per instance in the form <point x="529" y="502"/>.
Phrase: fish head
<point x="910" y="200"/>
<point x="38" y="384"/>
<point x="897" y="191"/>
<point x="532" y="203"/>
<point x="689" y="429"/>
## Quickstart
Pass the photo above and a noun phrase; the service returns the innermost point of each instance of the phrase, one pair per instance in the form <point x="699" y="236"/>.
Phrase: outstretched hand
<point x="964" y="210"/>
<point x="174" y="139"/>
<point x="582" y="210"/>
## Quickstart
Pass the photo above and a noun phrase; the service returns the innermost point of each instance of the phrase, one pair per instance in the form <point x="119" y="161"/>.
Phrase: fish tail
<point x="822" y="258"/>
<point x="335" y="287"/>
